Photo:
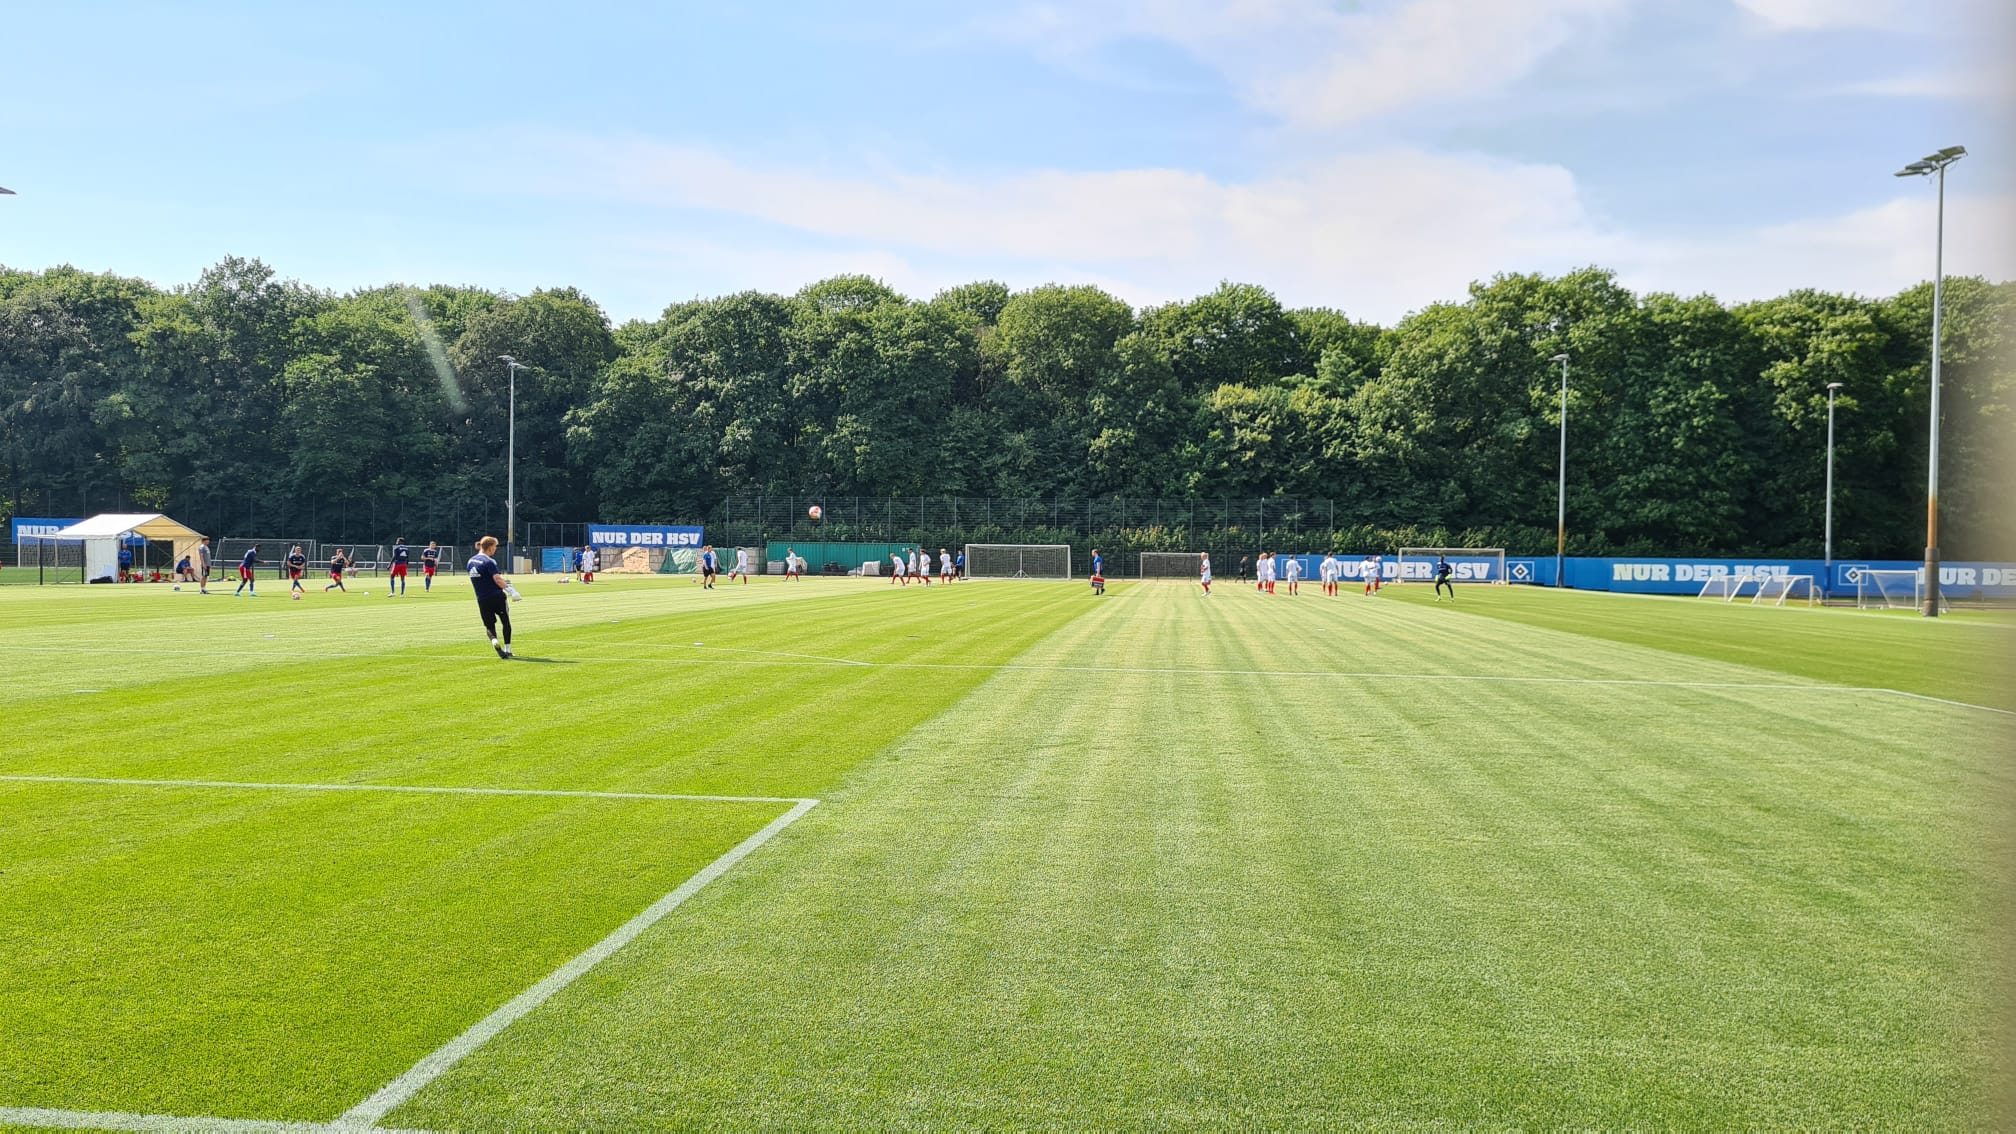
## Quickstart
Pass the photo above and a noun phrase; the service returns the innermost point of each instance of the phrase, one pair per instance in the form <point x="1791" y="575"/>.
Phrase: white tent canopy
<point x="101" y="536"/>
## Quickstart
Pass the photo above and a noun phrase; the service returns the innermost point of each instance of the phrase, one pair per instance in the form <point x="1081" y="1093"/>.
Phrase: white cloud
<point x="1378" y="234"/>
<point x="1815" y="15"/>
<point x="1316" y="64"/>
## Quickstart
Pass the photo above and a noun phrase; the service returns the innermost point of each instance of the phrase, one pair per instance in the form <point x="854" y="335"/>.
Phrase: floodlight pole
<point x="1561" y="491"/>
<point x="511" y="366"/>
<point x="1828" y="538"/>
<point x="1929" y="165"/>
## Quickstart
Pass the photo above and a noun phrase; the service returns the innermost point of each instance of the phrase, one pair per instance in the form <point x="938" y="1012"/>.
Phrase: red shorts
<point x="244" y="572"/>
<point x="336" y="575"/>
<point x="398" y="570"/>
<point x="427" y="569"/>
<point x="294" y="573"/>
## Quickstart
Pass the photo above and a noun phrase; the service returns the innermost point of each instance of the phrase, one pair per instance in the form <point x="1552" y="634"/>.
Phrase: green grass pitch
<point x="1151" y="859"/>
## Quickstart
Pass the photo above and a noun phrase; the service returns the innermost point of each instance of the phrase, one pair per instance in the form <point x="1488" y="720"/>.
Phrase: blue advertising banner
<point x="1966" y="581"/>
<point x="644" y="535"/>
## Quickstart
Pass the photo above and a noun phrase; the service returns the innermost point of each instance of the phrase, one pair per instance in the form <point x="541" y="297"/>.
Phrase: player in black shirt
<point x="493" y="598"/>
<point x="337" y="563"/>
<point x="1442" y="573"/>
<point x="399" y="558"/>
<point x="430" y="558"/>
<point x="296" y="564"/>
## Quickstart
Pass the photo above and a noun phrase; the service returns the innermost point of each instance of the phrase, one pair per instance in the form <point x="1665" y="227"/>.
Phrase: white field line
<point x="365" y="1115"/>
<point x="434" y="1065"/>
<point x="175" y="1123"/>
<point x="791" y="659"/>
<point x="404" y="788"/>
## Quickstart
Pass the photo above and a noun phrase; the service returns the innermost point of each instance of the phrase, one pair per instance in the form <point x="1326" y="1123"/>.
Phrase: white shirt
<point x="1330" y="566"/>
<point x="944" y="563"/>
<point x="1294" y="568"/>
<point x="1204" y="569"/>
<point x="741" y="559"/>
<point x="897" y="562"/>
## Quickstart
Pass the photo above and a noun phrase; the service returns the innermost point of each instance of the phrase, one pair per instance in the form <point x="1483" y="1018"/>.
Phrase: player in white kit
<point x="896" y="568"/>
<point x="1204" y="571"/>
<point x="1330" y="569"/>
<point x="1294" y="570"/>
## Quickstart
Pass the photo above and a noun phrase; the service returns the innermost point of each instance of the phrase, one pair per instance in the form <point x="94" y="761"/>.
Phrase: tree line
<point x="249" y="404"/>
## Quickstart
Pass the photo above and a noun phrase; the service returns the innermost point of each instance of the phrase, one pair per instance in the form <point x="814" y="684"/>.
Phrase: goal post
<point x="1468" y="564"/>
<point x="1780" y="589"/>
<point x="1169" y="565"/>
<point x="1018" y="561"/>
<point x="1892" y="589"/>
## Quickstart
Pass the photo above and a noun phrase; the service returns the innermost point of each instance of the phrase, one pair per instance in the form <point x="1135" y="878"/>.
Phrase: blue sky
<point x="1374" y="155"/>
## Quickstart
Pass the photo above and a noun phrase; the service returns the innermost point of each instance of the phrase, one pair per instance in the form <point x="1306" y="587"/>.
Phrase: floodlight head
<point x="1952" y="152"/>
<point x="1831" y="386"/>
<point x="1916" y="169"/>
<point x="1559" y="358"/>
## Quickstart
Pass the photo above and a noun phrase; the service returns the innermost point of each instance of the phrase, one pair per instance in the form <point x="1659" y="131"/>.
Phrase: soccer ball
<point x="178" y="588"/>
<point x="815" y="511"/>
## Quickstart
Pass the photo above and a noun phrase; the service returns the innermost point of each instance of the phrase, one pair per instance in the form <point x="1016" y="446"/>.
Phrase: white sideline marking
<point x="416" y="788"/>
<point x="368" y="1112"/>
<point x="179" y="1124"/>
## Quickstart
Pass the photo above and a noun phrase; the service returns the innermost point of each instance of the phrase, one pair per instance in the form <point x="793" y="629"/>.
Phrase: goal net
<point x="1169" y="565"/>
<point x="1729" y="588"/>
<point x="1467" y="564"/>
<point x="1018" y="561"/>
<point x="1892" y="590"/>
<point x="1781" y="589"/>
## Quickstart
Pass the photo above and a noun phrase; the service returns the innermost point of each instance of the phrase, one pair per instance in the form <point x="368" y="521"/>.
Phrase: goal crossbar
<point x="1778" y="589"/>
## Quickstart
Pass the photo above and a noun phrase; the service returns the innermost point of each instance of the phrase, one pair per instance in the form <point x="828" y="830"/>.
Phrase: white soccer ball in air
<point x="815" y="511"/>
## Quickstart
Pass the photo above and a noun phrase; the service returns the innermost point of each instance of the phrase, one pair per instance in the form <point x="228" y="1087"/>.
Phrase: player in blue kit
<point x="400" y="557"/>
<point x="1442" y="573"/>
<point x="297" y="564"/>
<point x="245" y="566"/>
<point x="430" y="561"/>
<point x="493" y="595"/>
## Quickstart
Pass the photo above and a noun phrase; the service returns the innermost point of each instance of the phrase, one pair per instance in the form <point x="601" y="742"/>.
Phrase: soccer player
<point x="944" y="566"/>
<point x="741" y="565"/>
<point x="1097" y="563"/>
<point x="1442" y="573"/>
<point x="1331" y="571"/>
<point x="1245" y="565"/>
<point x="297" y="563"/>
<point x="709" y="565"/>
<point x="1294" y="575"/>
<point x="429" y="560"/>
<point x="896" y="569"/>
<point x="203" y="566"/>
<point x="337" y="563"/>
<point x="1368" y="569"/>
<point x="1204" y="571"/>
<point x="791" y="571"/>
<point x="959" y="565"/>
<point x="245" y="566"/>
<point x="125" y="562"/>
<point x="590" y="560"/>
<point x="400" y="556"/>
<point x="493" y="598"/>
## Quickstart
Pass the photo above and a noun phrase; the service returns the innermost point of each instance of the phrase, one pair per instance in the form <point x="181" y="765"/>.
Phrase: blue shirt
<point x="430" y="555"/>
<point x="708" y="558"/>
<point x="483" y="576"/>
<point x="399" y="553"/>
<point x="125" y="557"/>
<point x="1096" y="562"/>
<point x="251" y="557"/>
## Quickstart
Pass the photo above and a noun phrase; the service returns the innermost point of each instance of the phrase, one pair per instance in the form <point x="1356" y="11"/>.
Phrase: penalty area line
<point x="437" y="1063"/>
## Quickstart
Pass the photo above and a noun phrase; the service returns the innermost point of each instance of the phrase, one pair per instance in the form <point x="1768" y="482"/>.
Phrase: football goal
<point x="1468" y="564"/>
<point x="1892" y="590"/>
<point x="1169" y="565"/>
<point x="1018" y="561"/>
<point x="1781" y="589"/>
<point x="1729" y="588"/>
